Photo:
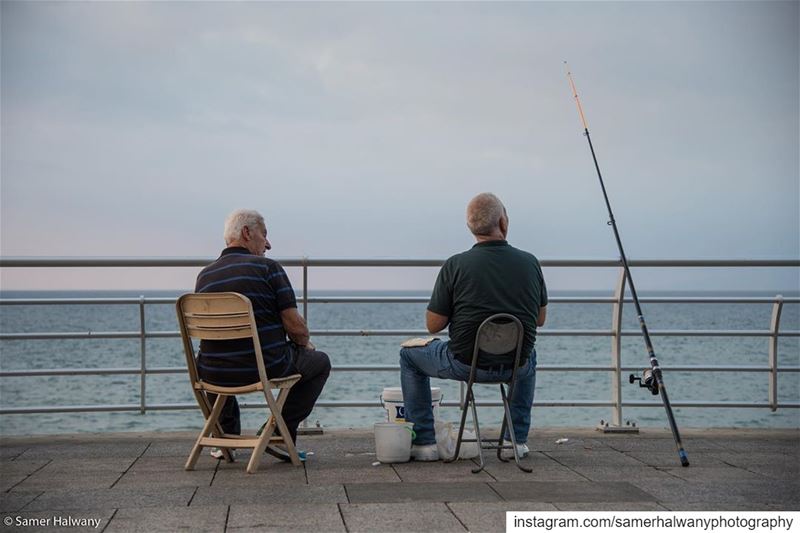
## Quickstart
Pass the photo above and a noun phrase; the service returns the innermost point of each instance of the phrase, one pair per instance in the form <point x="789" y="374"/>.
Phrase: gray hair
<point x="484" y="213"/>
<point x="237" y="221"/>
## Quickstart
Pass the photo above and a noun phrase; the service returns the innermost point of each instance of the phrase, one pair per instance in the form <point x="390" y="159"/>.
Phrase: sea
<point x="716" y="386"/>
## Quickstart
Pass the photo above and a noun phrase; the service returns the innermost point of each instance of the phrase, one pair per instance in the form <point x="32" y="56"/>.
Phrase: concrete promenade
<point x="136" y="482"/>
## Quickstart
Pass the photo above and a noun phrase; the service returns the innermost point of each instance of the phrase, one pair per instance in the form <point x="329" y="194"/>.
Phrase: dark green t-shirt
<point x="492" y="277"/>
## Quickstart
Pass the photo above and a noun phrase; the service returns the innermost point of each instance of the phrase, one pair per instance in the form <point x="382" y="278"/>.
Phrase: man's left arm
<point x="440" y="306"/>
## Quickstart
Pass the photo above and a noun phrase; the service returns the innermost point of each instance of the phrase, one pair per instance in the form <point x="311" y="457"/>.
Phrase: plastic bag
<point x="446" y="437"/>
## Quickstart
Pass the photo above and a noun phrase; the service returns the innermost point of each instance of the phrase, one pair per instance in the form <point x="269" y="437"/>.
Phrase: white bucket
<point x="392" y="401"/>
<point x="393" y="441"/>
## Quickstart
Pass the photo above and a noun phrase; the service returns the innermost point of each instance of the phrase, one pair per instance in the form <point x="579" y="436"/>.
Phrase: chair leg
<point x="511" y="431"/>
<point x="208" y="428"/>
<point x="467" y="402"/>
<point x="477" y="437"/>
<point x="263" y="441"/>
<point x="502" y="433"/>
<point x="276" y="407"/>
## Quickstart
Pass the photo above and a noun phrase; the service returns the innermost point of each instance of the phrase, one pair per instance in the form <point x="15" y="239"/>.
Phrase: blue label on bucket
<point x="400" y="411"/>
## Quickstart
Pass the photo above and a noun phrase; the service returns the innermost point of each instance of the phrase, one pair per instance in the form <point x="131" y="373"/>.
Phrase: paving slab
<point x="509" y="472"/>
<point x="351" y="468"/>
<point x="142" y="478"/>
<point x="650" y="444"/>
<point x="85" y="449"/>
<point x="718" y="506"/>
<point x="271" y="473"/>
<point x="416" y="516"/>
<point x="459" y="471"/>
<point x="93" y="464"/>
<point x="270" y="494"/>
<point x="15" y="501"/>
<point x="24" y="467"/>
<point x="59" y="520"/>
<point x="784" y="472"/>
<point x="420" y="492"/>
<point x="671" y="459"/>
<point x="11" y="452"/>
<point x="172" y="448"/>
<point x="9" y="481"/>
<point x="370" y="474"/>
<point x="48" y="481"/>
<point x="779" y="445"/>
<point x="734" y="492"/>
<point x="571" y="491"/>
<point x="613" y="473"/>
<point x="749" y="459"/>
<point x="573" y="443"/>
<point x="592" y="458"/>
<point x="298" y="517"/>
<point x="490" y="517"/>
<point x="158" y="463"/>
<point x="210" y="519"/>
<point x="108" y="499"/>
<point x="610" y="506"/>
<point x="720" y="474"/>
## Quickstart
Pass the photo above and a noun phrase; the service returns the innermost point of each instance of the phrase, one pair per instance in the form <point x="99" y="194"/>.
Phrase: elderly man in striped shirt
<point x="283" y="333"/>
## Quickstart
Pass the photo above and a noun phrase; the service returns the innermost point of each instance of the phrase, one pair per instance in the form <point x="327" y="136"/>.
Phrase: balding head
<point x="484" y="215"/>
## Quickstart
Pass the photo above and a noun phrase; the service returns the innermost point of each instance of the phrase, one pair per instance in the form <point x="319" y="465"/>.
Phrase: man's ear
<point x="504" y="225"/>
<point x="245" y="234"/>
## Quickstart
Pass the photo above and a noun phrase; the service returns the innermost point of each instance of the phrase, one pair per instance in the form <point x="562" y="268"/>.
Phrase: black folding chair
<point x="497" y="335"/>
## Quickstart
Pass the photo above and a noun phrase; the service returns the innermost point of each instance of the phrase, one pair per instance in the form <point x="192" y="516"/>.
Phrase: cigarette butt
<point x="561" y="441"/>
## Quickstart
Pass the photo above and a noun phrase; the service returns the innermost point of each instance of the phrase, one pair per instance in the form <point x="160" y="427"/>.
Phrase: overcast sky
<point x="362" y="130"/>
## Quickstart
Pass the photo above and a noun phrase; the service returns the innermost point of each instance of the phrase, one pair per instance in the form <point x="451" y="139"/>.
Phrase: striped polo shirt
<point x="265" y="283"/>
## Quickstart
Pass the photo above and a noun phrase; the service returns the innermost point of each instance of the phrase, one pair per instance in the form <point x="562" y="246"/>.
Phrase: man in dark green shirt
<point x="492" y="277"/>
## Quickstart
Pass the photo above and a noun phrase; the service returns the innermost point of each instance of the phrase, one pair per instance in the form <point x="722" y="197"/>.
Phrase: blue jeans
<point x="418" y="365"/>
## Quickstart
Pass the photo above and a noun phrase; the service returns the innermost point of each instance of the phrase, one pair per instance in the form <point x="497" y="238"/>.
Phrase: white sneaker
<point x="424" y="452"/>
<point x="522" y="450"/>
<point x="217" y="453"/>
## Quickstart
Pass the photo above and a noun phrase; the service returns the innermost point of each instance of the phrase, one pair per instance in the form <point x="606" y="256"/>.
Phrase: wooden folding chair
<point x="223" y="316"/>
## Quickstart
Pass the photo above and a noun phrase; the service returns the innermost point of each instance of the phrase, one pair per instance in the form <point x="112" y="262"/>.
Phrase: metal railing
<point x="615" y="332"/>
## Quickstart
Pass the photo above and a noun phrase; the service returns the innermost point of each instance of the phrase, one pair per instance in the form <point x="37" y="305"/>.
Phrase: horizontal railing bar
<point x="374" y="403"/>
<point x="383" y="368"/>
<point x="53" y="262"/>
<point x="720" y="405"/>
<point x="406" y="299"/>
<point x="411" y="333"/>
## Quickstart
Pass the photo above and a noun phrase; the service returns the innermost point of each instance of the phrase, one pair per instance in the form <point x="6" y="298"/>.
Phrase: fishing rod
<point x="652" y="378"/>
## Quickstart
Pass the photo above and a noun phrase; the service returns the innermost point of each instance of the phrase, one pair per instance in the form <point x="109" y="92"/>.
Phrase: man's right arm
<point x="542" y="316"/>
<point x="295" y="326"/>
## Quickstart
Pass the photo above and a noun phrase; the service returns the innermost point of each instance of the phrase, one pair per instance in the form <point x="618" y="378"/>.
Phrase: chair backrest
<point x="499" y="334"/>
<point x="216" y="316"/>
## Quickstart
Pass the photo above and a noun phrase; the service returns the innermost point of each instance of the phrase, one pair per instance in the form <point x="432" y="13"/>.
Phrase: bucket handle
<point x="413" y="433"/>
<point x="383" y="403"/>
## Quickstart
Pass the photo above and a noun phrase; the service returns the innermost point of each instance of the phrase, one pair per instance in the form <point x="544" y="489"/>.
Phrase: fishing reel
<point x="647" y="381"/>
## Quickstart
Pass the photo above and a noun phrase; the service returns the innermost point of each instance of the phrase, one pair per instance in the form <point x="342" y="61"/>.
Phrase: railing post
<point x="305" y="289"/>
<point x="616" y="350"/>
<point x="143" y="358"/>
<point x="774" y="326"/>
